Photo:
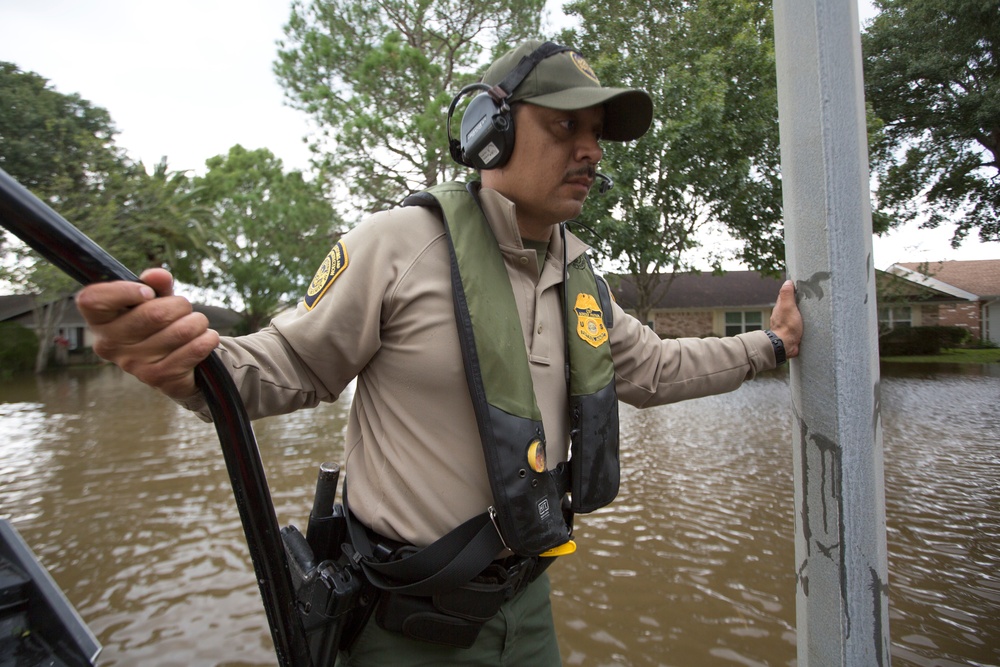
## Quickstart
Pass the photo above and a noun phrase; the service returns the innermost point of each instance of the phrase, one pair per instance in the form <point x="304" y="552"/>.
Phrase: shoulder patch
<point x="333" y="265"/>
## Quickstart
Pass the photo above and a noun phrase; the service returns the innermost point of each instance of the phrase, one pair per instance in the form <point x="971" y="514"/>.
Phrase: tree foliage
<point x="711" y="155"/>
<point x="18" y="347"/>
<point x="158" y="219"/>
<point x="932" y="75"/>
<point x="277" y="228"/>
<point x="62" y="148"/>
<point x="377" y="79"/>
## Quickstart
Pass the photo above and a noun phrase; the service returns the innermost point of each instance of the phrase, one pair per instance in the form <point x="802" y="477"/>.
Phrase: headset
<point x="487" y="130"/>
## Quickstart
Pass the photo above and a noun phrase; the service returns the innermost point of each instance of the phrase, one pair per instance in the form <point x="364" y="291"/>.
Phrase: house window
<point x="76" y="338"/>
<point x="895" y="317"/>
<point x="743" y="321"/>
<point x="72" y="338"/>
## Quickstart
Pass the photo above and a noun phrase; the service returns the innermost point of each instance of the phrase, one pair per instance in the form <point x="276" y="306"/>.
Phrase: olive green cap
<point x="566" y="81"/>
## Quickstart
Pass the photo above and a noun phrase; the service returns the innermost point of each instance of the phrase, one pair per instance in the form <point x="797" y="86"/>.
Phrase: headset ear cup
<point x="504" y="124"/>
<point x="487" y="133"/>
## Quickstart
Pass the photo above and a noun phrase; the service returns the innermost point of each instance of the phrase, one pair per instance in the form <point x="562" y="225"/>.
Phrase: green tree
<point x="932" y="76"/>
<point x="18" y="346"/>
<point x="277" y="226"/>
<point x="377" y="78"/>
<point x="711" y="155"/>
<point x="159" y="219"/>
<point x="61" y="147"/>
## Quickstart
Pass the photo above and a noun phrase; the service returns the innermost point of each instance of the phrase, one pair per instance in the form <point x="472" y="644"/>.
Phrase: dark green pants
<point x="522" y="633"/>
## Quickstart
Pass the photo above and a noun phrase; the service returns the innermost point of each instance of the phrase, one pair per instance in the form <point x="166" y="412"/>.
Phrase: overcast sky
<point x="188" y="79"/>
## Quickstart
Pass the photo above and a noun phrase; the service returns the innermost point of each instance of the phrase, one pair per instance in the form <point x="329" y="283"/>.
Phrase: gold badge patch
<point x="333" y="265"/>
<point x="584" y="66"/>
<point x="590" y="320"/>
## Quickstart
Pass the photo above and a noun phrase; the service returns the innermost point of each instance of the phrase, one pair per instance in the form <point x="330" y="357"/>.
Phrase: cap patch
<point x="333" y="265"/>
<point x="590" y="320"/>
<point x="583" y="66"/>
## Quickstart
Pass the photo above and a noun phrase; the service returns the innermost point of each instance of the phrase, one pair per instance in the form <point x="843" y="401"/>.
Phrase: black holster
<point x="332" y="598"/>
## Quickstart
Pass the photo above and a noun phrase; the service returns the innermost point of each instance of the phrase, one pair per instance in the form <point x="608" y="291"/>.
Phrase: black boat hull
<point x="38" y="625"/>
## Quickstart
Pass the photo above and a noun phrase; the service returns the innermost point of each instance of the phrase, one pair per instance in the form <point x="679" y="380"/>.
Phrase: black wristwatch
<point x="779" y="347"/>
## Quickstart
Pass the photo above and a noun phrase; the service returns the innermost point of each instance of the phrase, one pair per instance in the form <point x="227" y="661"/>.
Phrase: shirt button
<point x="539" y="328"/>
<point x="523" y="260"/>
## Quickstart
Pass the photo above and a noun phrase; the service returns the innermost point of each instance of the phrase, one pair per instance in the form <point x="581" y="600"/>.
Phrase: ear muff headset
<point x="487" y="131"/>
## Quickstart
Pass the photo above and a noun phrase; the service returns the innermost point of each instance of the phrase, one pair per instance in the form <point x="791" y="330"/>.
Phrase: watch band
<point x="779" y="347"/>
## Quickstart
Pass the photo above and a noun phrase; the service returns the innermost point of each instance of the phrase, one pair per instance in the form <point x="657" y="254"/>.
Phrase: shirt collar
<point x="502" y="217"/>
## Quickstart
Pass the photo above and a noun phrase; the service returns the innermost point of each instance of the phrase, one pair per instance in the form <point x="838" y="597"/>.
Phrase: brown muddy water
<point x="125" y="499"/>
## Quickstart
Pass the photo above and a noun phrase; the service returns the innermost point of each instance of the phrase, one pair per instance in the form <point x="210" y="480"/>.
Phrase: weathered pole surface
<point x="840" y="547"/>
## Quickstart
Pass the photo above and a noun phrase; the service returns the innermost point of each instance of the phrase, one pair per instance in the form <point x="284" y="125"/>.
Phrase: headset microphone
<point x="606" y="183"/>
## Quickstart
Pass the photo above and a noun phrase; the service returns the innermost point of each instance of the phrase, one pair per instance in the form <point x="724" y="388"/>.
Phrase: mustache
<point x="590" y="171"/>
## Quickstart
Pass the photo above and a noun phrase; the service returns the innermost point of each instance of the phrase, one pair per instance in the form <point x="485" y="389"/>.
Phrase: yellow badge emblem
<point x="584" y="66"/>
<point x="590" y="320"/>
<point x="333" y="265"/>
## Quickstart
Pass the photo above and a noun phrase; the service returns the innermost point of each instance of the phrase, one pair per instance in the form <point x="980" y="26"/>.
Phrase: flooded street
<point x="126" y="500"/>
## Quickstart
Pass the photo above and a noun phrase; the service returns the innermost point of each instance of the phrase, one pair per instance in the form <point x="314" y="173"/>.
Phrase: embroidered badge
<point x="333" y="265"/>
<point x="590" y="320"/>
<point x="584" y="66"/>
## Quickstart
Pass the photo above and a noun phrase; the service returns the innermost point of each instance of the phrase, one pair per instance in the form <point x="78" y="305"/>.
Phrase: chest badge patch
<point x="333" y="265"/>
<point x="590" y="320"/>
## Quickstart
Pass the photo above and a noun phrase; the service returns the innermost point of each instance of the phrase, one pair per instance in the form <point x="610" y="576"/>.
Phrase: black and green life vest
<point x="527" y="494"/>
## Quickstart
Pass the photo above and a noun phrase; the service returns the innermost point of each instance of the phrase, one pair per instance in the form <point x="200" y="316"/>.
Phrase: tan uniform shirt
<point x="413" y="455"/>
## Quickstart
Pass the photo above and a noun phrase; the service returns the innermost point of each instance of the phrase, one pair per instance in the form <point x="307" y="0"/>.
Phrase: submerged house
<point x="974" y="286"/>
<point x="702" y="304"/>
<point x="69" y="328"/>
<point x="705" y="304"/>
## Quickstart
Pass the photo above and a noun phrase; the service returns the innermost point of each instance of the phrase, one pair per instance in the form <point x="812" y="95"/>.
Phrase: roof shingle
<point x="979" y="276"/>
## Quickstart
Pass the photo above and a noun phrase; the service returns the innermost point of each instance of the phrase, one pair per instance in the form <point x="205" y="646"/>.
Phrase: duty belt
<point x="466" y="553"/>
<point x="445" y="592"/>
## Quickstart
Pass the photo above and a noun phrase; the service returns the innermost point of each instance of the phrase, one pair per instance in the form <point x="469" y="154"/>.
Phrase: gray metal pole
<point x="840" y="549"/>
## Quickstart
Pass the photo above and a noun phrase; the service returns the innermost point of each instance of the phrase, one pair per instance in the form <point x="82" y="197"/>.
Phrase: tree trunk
<point x="47" y="316"/>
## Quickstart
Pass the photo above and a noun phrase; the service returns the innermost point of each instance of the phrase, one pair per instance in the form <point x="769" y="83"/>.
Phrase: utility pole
<point x="840" y="546"/>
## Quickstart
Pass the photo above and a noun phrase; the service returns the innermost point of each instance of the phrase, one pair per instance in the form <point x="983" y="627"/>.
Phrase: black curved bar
<point x="49" y="234"/>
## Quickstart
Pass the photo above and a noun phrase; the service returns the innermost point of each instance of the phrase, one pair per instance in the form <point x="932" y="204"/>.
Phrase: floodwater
<point x="125" y="499"/>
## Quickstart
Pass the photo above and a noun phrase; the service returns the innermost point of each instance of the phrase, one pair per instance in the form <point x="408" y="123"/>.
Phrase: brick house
<point x="975" y="283"/>
<point x="705" y="304"/>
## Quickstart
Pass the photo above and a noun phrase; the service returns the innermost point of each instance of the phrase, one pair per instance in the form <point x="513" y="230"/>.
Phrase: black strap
<point x="466" y="551"/>
<point x="528" y="63"/>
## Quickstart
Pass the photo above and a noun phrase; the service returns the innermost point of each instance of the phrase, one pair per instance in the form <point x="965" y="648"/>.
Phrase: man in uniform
<point x="406" y="303"/>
